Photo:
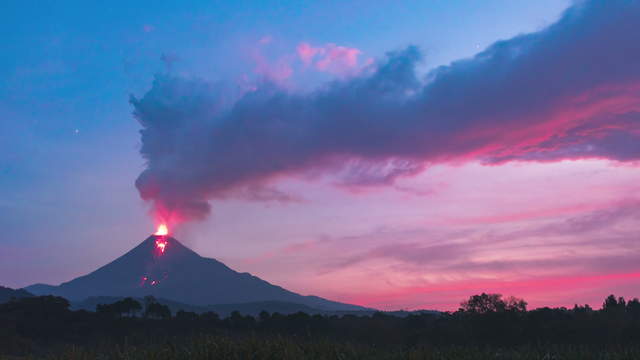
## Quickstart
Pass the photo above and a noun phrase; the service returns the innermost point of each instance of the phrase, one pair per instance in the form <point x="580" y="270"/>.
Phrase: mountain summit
<point x="161" y="266"/>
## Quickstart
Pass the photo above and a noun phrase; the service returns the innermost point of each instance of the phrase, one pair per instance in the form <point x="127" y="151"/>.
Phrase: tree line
<point x="481" y="320"/>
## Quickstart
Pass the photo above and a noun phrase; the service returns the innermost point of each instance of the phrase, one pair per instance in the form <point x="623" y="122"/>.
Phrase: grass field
<point x="291" y="348"/>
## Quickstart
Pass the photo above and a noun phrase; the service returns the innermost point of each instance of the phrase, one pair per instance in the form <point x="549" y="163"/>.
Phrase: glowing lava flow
<point x="161" y="244"/>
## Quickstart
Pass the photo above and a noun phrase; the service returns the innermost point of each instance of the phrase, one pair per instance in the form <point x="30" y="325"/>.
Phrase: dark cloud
<point x="265" y="194"/>
<point x="545" y="95"/>
<point x="608" y="137"/>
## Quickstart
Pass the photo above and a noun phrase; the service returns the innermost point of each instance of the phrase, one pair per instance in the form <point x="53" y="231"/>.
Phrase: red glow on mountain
<point x="161" y="245"/>
<point x="161" y="241"/>
<point x="148" y="281"/>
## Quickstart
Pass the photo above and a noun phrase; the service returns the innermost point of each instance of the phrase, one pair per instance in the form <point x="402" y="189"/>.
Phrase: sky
<point x="396" y="154"/>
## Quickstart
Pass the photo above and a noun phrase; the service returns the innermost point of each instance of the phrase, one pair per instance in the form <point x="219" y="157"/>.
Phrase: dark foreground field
<point x="292" y="348"/>
<point x="485" y="327"/>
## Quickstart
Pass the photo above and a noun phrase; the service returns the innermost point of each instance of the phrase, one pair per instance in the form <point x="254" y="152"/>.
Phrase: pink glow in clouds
<point x="307" y="52"/>
<point x="553" y="233"/>
<point x="277" y="71"/>
<point x="561" y="291"/>
<point x="330" y="58"/>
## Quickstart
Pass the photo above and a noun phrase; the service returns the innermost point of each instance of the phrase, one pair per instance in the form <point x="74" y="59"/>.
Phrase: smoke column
<point x="569" y="91"/>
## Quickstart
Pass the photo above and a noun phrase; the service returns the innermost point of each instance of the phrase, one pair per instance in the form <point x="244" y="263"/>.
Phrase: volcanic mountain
<point x="161" y="266"/>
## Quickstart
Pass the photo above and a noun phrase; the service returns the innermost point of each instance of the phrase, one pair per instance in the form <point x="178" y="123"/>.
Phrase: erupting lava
<point x="162" y="230"/>
<point x="154" y="266"/>
<point x="161" y="244"/>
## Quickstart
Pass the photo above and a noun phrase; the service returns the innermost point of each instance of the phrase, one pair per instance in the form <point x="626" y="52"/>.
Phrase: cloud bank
<point x="569" y="91"/>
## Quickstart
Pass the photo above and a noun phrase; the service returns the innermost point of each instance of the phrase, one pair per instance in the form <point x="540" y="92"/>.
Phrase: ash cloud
<point x="571" y="90"/>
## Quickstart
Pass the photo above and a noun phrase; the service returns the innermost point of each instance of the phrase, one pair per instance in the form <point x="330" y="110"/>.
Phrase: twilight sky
<point x="405" y="154"/>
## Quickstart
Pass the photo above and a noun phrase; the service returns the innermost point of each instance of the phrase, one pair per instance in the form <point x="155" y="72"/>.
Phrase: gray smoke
<point x="569" y="91"/>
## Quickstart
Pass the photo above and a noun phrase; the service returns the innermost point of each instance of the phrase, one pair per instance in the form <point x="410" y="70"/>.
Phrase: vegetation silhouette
<point x="153" y="309"/>
<point x="45" y="325"/>
<point x="127" y="306"/>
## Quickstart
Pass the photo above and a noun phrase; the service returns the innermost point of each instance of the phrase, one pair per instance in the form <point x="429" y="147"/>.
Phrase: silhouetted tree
<point x="157" y="310"/>
<point x="237" y="321"/>
<point x="585" y="309"/>
<point x="264" y="316"/>
<point x="128" y="306"/>
<point x="40" y="307"/>
<point x="106" y="309"/>
<point x="186" y="315"/>
<point x="490" y="303"/>
<point x="210" y="316"/>
<point x="154" y="309"/>
<point x="515" y="304"/>
<point x="633" y="308"/>
<point x="611" y="304"/>
<point x="149" y="299"/>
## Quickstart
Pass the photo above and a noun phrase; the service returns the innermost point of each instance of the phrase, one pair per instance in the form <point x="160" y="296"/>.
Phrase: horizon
<point x="453" y="149"/>
<point x="154" y="236"/>
<point x="166" y="236"/>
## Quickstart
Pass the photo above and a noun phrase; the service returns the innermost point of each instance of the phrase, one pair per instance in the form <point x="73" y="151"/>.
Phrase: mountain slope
<point x="163" y="267"/>
<point x="7" y="294"/>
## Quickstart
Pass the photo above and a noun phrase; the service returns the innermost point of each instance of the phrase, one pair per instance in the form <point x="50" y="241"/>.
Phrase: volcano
<point x="162" y="267"/>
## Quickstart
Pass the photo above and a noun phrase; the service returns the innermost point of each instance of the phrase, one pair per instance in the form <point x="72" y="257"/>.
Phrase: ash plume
<point x="571" y="90"/>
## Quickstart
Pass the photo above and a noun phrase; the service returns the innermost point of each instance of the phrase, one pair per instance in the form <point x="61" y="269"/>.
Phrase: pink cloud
<point x="338" y="58"/>
<point x="277" y="71"/>
<point x="330" y="58"/>
<point x="307" y="52"/>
